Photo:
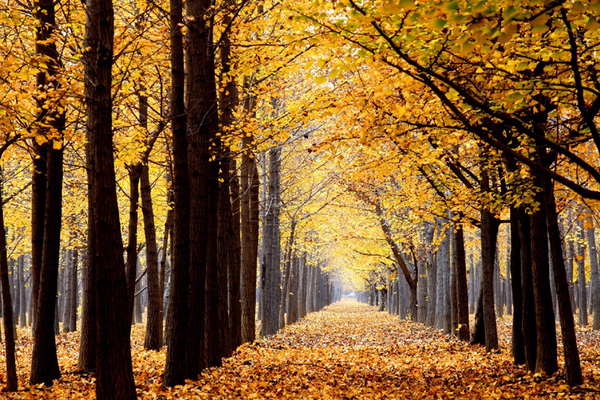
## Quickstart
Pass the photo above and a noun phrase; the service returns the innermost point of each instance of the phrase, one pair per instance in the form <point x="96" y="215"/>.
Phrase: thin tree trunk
<point x="529" y="316"/>
<point x="581" y="281"/>
<point x="518" y="344"/>
<point x="68" y="293"/>
<point x="461" y="284"/>
<point x="44" y="360"/>
<point x="250" y="222"/>
<point x="567" y="322"/>
<point x="235" y="263"/>
<point x="594" y="277"/>
<point x="154" y="328"/>
<point x="271" y="295"/>
<point x="131" y="267"/>
<point x="74" y="301"/>
<point x="443" y="266"/>
<point x="432" y="280"/>
<point x="7" y="314"/>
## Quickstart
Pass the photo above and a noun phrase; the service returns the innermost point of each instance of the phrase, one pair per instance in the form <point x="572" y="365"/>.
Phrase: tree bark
<point x="546" y="358"/>
<point x="487" y="317"/>
<point x="114" y="377"/>
<point x="567" y="322"/>
<point x="154" y="328"/>
<point x="432" y="280"/>
<point x="235" y="263"/>
<point x="249" y="180"/>
<point x="443" y="267"/>
<point x="581" y="281"/>
<point x="594" y="276"/>
<point x="202" y="126"/>
<point x="7" y="312"/>
<point x="177" y="327"/>
<point x="518" y="344"/>
<point x="272" y="292"/>
<point x="131" y="267"/>
<point x="461" y="284"/>
<point x="44" y="360"/>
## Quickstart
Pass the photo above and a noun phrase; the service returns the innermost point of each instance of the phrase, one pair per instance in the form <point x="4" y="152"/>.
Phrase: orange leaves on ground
<point x="347" y="351"/>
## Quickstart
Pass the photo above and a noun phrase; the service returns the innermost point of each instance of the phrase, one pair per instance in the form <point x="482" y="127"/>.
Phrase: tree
<point x="113" y="358"/>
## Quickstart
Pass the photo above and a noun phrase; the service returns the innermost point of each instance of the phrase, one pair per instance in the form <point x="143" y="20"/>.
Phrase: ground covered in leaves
<point x="347" y="351"/>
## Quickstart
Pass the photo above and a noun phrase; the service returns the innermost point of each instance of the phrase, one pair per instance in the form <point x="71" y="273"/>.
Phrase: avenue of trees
<point x="439" y="158"/>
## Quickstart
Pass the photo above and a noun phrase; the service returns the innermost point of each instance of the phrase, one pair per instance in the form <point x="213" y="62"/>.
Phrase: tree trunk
<point x="7" y="314"/>
<point x="292" y="293"/>
<point x="567" y="322"/>
<point x="114" y="376"/>
<point x="432" y="280"/>
<point x="224" y="256"/>
<point x="74" y="301"/>
<point x="235" y="263"/>
<point x="286" y="276"/>
<point x="87" y="345"/>
<point x="68" y="277"/>
<point x="44" y="360"/>
<point x="17" y="272"/>
<point x="271" y="295"/>
<point x="443" y="267"/>
<point x="461" y="284"/>
<point x="249" y="211"/>
<point x="131" y="270"/>
<point x="303" y="275"/>
<point x="594" y="277"/>
<point x="154" y="328"/>
<point x="581" y="281"/>
<point x="545" y="326"/>
<point x="38" y="204"/>
<point x="202" y="125"/>
<point x="529" y="316"/>
<point x="177" y="323"/>
<point x="518" y="344"/>
<point x="486" y="319"/>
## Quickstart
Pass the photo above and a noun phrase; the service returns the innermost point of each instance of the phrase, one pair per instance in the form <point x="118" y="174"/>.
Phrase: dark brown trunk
<point x="235" y="263"/>
<point x="154" y="328"/>
<point x="87" y="345"/>
<point x="224" y="250"/>
<point x="249" y="181"/>
<point x="114" y="373"/>
<point x="177" y="324"/>
<point x="223" y="256"/>
<point x="131" y="270"/>
<point x="292" y="293"/>
<point x="489" y="233"/>
<point x="44" y="360"/>
<point x="529" y="318"/>
<point x="38" y="203"/>
<point x="204" y="189"/>
<point x="7" y="312"/>
<point x="567" y="322"/>
<point x="229" y="228"/>
<point x="74" y="305"/>
<point x="68" y="277"/>
<point x="546" y="360"/>
<point x="461" y="284"/>
<point x="518" y="344"/>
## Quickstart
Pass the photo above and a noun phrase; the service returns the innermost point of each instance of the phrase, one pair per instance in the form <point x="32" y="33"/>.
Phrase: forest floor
<point x="346" y="351"/>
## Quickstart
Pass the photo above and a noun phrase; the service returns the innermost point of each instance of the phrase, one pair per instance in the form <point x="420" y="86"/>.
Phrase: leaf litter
<point x="346" y="351"/>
